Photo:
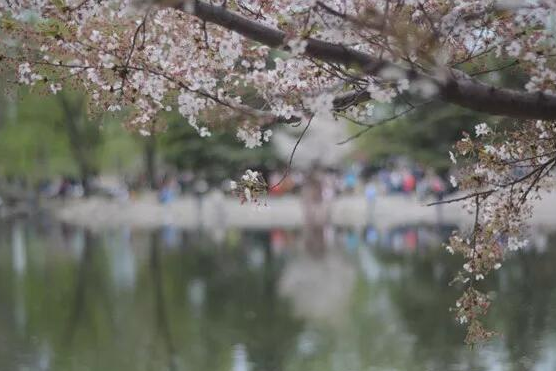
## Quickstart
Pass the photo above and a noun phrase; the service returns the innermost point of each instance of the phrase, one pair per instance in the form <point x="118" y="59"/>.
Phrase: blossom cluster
<point x="502" y="171"/>
<point x="251" y="187"/>
<point x="253" y="137"/>
<point x="149" y="59"/>
<point x="129" y="55"/>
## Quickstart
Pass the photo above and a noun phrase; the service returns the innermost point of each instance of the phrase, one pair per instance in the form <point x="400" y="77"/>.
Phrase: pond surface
<point x="120" y="300"/>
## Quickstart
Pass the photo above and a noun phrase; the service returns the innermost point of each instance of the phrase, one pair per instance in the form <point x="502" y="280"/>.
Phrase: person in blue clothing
<point x="370" y="196"/>
<point x="167" y="192"/>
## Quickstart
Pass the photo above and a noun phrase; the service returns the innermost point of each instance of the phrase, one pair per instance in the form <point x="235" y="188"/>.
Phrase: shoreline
<point x="216" y="210"/>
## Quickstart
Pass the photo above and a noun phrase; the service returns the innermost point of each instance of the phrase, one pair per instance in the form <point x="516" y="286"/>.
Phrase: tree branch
<point x="454" y="87"/>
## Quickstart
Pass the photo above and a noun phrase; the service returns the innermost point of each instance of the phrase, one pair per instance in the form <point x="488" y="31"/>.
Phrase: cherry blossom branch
<point x="536" y="173"/>
<point x="141" y="26"/>
<point x="453" y="87"/>
<point x="247" y="110"/>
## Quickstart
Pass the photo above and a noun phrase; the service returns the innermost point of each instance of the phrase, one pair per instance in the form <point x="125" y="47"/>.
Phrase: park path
<point x="216" y="210"/>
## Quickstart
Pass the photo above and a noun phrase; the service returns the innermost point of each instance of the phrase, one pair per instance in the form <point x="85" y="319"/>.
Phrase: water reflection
<point x="72" y="299"/>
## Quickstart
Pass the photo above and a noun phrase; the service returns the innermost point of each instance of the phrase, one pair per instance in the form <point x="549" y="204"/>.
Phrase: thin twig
<point x="463" y="198"/>
<point x="381" y="122"/>
<point x="288" y="169"/>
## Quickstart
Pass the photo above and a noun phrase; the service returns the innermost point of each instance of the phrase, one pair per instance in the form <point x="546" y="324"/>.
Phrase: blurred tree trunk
<point x="314" y="211"/>
<point x="83" y="138"/>
<point x="150" y="161"/>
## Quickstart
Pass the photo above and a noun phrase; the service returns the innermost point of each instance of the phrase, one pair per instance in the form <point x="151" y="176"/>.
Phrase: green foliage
<point x="429" y="132"/>
<point x="44" y="136"/>
<point x="37" y="141"/>
<point x="119" y="152"/>
<point x="425" y="136"/>
<point x="219" y="156"/>
<point x="32" y="144"/>
<point x="53" y="28"/>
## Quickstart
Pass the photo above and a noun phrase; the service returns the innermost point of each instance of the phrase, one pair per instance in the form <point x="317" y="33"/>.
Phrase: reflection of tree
<point x="80" y="286"/>
<point x="422" y="297"/>
<point x="243" y="306"/>
<point x="395" y="319"/>
<point x="524" y="309"/>
<point x="68" y="308"/>
<point x="521" y="313"/>
<point x="319" y="287"/>
<point x="162" y="327"/>
<point x="398" y="318"/>
<point x="89" y="291"/>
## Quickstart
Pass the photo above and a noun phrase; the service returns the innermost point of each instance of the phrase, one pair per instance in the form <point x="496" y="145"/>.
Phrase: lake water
<point x="234" y="300"/>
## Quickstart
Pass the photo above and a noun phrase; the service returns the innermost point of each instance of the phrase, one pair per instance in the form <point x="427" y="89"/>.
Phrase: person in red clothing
<point x="409" y="182"/>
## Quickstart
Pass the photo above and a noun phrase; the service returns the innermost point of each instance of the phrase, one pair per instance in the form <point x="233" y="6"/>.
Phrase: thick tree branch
<point x="454" y="87"/>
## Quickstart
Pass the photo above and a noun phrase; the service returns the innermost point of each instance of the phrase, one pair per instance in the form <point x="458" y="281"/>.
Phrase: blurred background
<point x="128" y="251"/>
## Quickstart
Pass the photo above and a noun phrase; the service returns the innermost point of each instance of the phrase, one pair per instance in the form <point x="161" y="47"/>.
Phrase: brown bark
<point x="73" y="113"/>
<point x="454" y="87"/>
<point x="150" y="162"/>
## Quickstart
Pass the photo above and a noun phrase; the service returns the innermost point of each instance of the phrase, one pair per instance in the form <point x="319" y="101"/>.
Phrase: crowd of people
<point x="359" y="179"/>
<point x="401" y="177"/>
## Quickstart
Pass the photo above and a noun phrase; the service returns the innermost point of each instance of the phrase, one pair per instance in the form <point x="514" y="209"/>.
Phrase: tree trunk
<point x="150" y="162"/>
<point x="73" y="113"/>
<point x="315" y="214"/>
